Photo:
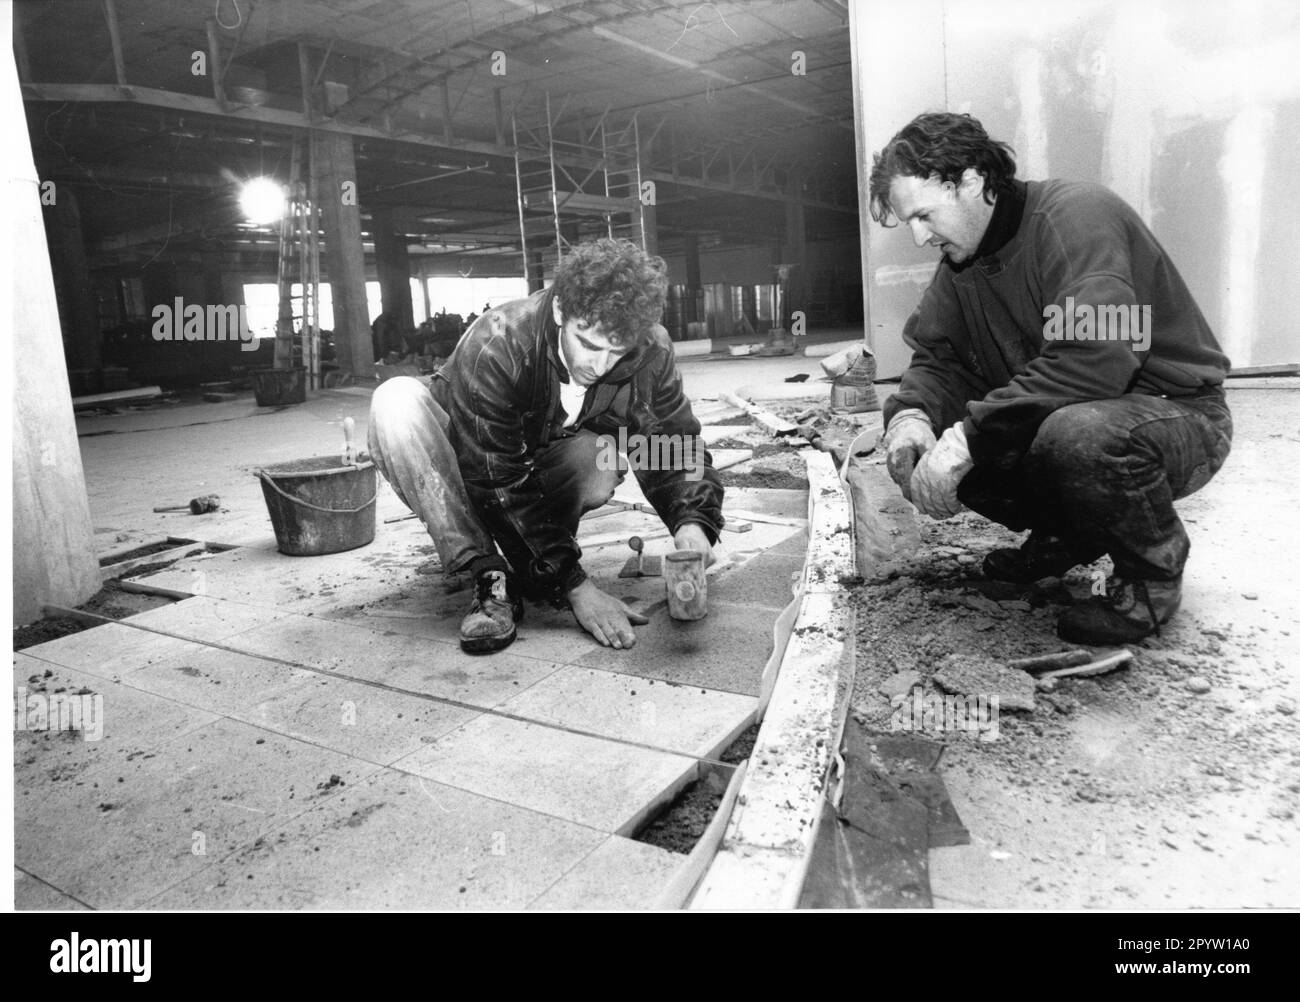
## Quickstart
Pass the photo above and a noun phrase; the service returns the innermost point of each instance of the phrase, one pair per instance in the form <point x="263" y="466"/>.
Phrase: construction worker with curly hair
<point x="511" y="444"/>
<point x="1063" y="379"/>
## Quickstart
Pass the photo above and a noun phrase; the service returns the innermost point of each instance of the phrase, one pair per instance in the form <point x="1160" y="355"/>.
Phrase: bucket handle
<point x="307" y="504"/>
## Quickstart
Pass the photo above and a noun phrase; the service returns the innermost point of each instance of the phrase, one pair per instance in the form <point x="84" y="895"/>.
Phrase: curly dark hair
<point x="616" y="284"/>
<point x="940" y="144"/>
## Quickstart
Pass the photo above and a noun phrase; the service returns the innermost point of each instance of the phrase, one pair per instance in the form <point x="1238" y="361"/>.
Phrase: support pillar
<point x="692" y="261"/>
<point x="794" y="251"/>
<point x="334" y="172"/>
<point x="393" y="264"/>
<point x="53" y="539"/>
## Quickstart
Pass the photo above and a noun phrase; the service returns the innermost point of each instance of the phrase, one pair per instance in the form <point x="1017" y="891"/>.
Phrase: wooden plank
<point x="774" y="424"/>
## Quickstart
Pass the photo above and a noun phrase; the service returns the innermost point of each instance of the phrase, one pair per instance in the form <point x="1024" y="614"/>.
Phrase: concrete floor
<point x="306" y="733"/>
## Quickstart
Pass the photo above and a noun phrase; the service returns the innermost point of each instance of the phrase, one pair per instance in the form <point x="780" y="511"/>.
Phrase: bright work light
<point x="262" y="201"/>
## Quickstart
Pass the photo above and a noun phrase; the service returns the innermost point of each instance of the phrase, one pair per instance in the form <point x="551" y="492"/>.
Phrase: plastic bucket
<point x="278" y="387"/>
<point x="319" y="506"/>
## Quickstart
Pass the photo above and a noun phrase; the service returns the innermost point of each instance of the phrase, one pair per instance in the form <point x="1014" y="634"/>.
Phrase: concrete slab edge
<point x="769" y="836"/>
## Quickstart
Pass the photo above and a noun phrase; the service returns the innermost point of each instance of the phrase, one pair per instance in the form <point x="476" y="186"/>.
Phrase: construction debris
<point x="971" y="675"/>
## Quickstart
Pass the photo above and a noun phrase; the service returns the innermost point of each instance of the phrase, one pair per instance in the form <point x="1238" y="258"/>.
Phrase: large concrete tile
<point x="207" y="619"/>
<point x="725" y="651"/>
<point x="123" y="836"/>
<point x="216" y="680"/>
<point x="602" y="784"/>
<point x="401" y="555"/>
<point x="109" y="651"/>
<point x="619" y="875"/>
<point x="117" y="724"/>
<point x="641" y="711"/>
<point x="764" y="582"/>
<point x="366" y="721"/>
<point x="32" y="895"/>
<point x="415" y="664"/>
<point x="395" y="841"/>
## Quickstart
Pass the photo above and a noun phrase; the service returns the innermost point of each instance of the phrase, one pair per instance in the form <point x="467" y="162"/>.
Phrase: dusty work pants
<point x="408" y="443"/>
<point x="1103" y="476"/>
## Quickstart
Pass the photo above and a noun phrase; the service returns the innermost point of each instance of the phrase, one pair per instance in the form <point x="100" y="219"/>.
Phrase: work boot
<point x="1040" y="556"/>
<point x="1130" y="610"/>
<point x="490" y="623"/>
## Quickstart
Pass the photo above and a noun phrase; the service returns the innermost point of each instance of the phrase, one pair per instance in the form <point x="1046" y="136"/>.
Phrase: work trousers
<point x="1102" y="476"/>
<point x="409" y="444"/>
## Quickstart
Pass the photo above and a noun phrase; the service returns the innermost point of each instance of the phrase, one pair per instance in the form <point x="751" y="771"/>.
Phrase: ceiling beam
<point x="151" y="97"/>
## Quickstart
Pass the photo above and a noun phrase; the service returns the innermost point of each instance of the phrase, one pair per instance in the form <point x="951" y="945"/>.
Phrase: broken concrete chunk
<point x="900" y="684"/>
<point x="985" y="605"/>
<point x="970" y="675"/>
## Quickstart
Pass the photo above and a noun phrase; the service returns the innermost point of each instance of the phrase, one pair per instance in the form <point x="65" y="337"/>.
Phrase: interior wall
<point x="1188" y="110"/>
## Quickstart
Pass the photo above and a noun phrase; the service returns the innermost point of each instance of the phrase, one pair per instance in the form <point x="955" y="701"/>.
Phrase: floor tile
<point x="366" y="721"/>
<point x="205" y="618"/>
<point x="619" y="875"/>
<point x="412" y="663"/>
<point x="109" y="651"/>
<point x="123" y="836"/>
<point x="117" y="724"/>
<point x="32" y="895"/>
<point x="599" y="783"/>
<point x="726" y="651"/>
<point x="395" y="841"/>
<point x="641" y="711"/>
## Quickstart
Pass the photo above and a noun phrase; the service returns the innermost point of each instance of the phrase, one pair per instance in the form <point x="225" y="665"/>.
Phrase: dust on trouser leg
<point x="1114" y="468"/>
<point x="408" y="442"/>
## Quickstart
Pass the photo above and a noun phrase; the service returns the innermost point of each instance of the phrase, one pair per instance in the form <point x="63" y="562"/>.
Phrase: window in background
<point x="468" y="295"/>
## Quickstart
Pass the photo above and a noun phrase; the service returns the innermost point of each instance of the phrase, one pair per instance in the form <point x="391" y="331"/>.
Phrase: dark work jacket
<point x="980" y="351"/>
<point x="501" y="389"/>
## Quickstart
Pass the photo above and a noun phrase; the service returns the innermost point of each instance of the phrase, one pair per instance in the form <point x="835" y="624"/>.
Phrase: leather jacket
<point x="500" y="388"/>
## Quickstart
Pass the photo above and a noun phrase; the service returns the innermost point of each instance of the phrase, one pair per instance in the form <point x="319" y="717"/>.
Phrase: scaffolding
<point x="297" y="329"/>
<point x="575" y="186"/>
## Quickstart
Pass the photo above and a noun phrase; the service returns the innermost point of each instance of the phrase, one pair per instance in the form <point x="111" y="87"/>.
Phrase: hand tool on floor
<point x="641" y="566"/>
<point x="349" y="450"/>
<point x="197" y="506"/>
<point x="1073" y="663"/>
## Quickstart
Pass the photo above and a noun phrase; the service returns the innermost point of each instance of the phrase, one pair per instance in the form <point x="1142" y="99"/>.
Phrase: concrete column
<point x="794" y="251"/>
<point x="393" y="264"/>
<point x="78" y="308"/>
<point x="53" y="540"/>
<point x="692" y="261"/>
<point x="334" y="172"/>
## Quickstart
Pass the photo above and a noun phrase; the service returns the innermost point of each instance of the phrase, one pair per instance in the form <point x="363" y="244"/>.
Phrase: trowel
<point x="641" y="566"/>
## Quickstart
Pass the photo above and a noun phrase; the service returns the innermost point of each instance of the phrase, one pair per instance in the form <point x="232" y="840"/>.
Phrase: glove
<point x="908" y="438"/>
<point x="936" y="477"/>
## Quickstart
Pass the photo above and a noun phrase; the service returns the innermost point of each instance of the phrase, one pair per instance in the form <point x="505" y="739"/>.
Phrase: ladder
<point x="575" y="184"/>
<point x="299" y="262"/>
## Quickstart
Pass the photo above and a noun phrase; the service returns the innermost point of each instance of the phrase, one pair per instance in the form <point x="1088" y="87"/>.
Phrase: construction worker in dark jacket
<point x="516" y="440"/>
<point x="1063" y="379"/>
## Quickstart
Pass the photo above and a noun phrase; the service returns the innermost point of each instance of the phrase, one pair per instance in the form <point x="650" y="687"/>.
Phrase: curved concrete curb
<point x="764" y="853"/>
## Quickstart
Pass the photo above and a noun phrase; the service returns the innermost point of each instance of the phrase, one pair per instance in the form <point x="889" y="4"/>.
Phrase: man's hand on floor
<point x="605" y="617"/>
<point x="691" y="537"/>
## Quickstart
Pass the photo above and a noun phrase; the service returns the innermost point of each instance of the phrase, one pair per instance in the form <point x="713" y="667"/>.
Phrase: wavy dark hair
<point x="616" y="284"/>
<point x="940" y="144"/>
